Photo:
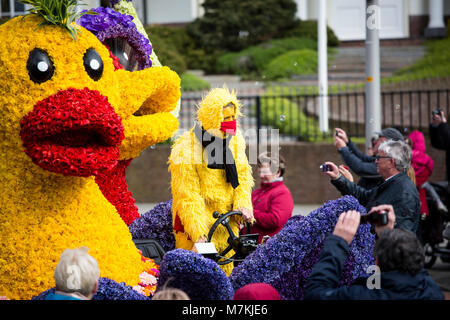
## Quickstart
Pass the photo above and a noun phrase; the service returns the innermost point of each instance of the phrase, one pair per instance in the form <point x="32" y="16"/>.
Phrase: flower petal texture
<point x="286" y="260"/>
<point x="199" y="277"/>
<point x="156" y="224"/>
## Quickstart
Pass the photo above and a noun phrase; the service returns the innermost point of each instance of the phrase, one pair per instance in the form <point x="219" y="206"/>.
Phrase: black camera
<point x="326" y="167"/>
<point x="376" y="218"/>
<point x="436" y="112"/>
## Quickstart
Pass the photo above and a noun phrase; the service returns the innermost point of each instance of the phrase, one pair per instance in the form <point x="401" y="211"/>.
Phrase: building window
<point x="11" y="8"/>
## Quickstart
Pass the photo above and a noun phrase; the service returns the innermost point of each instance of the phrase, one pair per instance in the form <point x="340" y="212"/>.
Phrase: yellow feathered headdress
<point x="209" y="113"/>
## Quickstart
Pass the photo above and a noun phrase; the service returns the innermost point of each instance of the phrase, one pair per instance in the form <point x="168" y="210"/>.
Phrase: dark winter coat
<point x="440" y="139"/>
<point x="323" y="282"/>
<point x="398" y="191"/>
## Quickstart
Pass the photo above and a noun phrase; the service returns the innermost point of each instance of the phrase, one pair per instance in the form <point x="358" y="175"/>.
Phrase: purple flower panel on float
<point x="107" y="290"/>
<point x="110" y="24"/>
<point x="286" y="260"/>
<point x="156" y="224"/>
<point x="199" y="277"/>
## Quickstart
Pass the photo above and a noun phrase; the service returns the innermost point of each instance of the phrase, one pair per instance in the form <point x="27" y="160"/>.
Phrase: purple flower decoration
<point x="118" y="31"/>
<point x="156" y="224"/>
<point x="199" y="277"/>
<point x="107" y="290"/>
<point x="286" y="260"/>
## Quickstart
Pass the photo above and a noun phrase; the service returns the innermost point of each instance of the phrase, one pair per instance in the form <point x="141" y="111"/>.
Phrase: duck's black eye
<point x="93" y="64"/>
<point x="40" y="66"/>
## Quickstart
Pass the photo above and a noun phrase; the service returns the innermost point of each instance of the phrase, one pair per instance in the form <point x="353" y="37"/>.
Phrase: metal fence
<point x="296" y="116"/>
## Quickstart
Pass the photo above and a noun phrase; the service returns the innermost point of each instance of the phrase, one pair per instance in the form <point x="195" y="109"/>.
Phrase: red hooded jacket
<point x="257" y="291"/>
<point x="423" y="166"/>
<point x="272" y="208"/>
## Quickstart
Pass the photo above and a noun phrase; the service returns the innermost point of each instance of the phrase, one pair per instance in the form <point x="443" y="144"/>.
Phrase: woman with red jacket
<point x="272" y="202"/>
<point x="423" y="166"/>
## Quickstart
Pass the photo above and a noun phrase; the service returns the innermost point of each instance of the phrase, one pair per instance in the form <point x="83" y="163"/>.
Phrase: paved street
<point x="440" y="272"/>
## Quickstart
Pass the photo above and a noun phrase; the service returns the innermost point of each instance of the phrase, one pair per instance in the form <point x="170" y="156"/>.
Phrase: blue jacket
<point x="323" y="282"/>
<point x="54" y="296"/>
<point x="362" y="165"/>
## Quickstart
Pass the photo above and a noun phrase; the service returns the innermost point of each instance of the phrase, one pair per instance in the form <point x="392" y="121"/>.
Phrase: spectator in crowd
<point x="76" y="276"/>
<point x="257" y="291"/>
<point x="272" y="202"/>
<point x="170" y="294"/>
<point x="392" y="161"/>
<point x="398" y="254"/>
<point x="440" y="139"/>
<point x="361" y="164"/>
<point x="423" y="167"/>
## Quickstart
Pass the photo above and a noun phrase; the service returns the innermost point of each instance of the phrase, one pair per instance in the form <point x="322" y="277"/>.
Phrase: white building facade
<point x="400" y="19"/>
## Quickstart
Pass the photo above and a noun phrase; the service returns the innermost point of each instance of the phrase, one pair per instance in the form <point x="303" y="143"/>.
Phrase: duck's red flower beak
<point x="73" y="132"/>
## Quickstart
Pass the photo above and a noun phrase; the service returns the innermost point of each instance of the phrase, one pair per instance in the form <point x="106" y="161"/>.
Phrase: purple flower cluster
<point x="156" y="224"/>
<point x="107" y="290"/>
<point x="199" y="277"/>
<point x="110" y="24"/>
<point x="286" y="260"/>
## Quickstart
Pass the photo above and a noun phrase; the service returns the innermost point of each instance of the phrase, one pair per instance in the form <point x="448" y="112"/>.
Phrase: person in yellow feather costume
<point x="49" y="198"/>
<point x="202" y="176"/>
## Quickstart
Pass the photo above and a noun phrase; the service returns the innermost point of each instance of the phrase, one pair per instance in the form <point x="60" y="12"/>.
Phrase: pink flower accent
<point x="147" y="279"/>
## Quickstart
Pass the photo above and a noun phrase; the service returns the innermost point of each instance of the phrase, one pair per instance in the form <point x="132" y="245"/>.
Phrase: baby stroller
<point x="432" y="229"/>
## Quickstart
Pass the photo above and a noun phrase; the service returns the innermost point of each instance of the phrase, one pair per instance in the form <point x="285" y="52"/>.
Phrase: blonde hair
<point x="170" y="294"/>
<point x="76" y="271"/>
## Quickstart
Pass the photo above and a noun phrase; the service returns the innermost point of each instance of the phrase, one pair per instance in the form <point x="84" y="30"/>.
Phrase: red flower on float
<point x="112" y="183"/>
<point x="114" y="187"/>
<point x="73" y="132"/>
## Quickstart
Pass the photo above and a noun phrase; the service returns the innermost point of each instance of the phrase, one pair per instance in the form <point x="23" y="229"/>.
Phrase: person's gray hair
<point x="76" y="271"/>
<point x="399" y="250"/>
<point x="400" y="152"/>
<point x="277" y="163"/>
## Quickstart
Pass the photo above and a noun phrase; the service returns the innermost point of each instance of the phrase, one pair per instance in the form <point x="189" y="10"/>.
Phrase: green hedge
<point x="297" y="62"/>
<point x="308" y="29"/>
<point x="177" y="38"/>
<point x="255" y="59"/>
<point x="285" y="115"/>
<point x="435" y="63"/>
<point x="166" y="49"/>
<point x="190" y="82"/>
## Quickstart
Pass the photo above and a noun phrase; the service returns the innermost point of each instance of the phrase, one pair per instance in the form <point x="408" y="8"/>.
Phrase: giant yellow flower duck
<point x="219" y="181"/>
<point x="68" y="116"/>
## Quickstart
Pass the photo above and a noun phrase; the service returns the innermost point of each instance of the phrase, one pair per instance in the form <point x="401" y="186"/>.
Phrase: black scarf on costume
<point x="221" y="145"/>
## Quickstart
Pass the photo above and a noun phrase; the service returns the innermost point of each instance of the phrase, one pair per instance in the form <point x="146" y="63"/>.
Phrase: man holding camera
<point x="392" y="161"/>
<point x="364" y="165"/>
<point x="398" y="255"/>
